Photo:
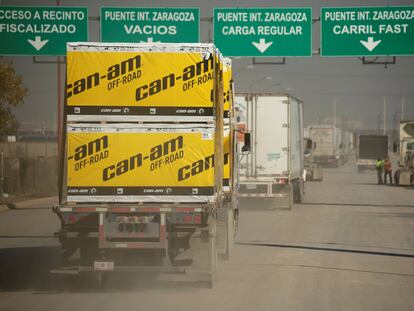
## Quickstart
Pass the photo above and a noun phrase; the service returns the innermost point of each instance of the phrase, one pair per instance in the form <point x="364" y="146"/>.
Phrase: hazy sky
<point x="358" y="89"/>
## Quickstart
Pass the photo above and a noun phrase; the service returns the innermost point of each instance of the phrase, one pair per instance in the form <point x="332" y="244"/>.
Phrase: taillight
<point x="73" y="218"/>
<point x="183" y="218"/>
<point x="197" y="219"/>
<point x="282" y="181"/>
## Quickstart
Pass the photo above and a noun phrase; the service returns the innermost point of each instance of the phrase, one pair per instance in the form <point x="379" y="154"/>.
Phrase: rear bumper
<point x="366" y="164"/>
<point x="122" y="227"/>
<point x="327" y="160"/>
<point x="267" y="189"/>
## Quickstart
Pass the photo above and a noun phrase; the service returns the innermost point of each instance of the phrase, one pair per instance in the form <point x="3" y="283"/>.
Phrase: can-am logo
<point x="117" y="74"/>
<point x="90" y="153"/>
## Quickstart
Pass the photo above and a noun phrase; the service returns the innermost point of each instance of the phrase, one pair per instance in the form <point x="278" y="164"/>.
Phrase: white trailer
<point x="328" y="141"/>
<point x="371" y="148"/>
<point x="274" y="166"/>
<point x="348" y="145"/>
<point x="405" y="173"/>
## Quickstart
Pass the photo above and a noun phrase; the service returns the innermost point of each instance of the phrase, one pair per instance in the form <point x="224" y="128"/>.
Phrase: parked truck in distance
<point x="406" y="169"/>
<point x="371" y="148"/>
<point x="328" y="145"/>
<point x="273" y="167"/>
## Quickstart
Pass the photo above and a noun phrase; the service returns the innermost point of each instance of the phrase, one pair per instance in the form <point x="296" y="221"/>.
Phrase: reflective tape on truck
<point x="125" y="84"/>
<point x="127" y="163"/>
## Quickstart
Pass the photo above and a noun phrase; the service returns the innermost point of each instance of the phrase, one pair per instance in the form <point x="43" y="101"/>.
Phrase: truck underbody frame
<point x="90" y="241"/>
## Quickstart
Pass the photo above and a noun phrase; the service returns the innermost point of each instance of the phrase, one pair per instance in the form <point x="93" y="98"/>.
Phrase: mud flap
<point x="286" y="200"/>
<point x="225" y="231"/>
<point x="203" y="253"/>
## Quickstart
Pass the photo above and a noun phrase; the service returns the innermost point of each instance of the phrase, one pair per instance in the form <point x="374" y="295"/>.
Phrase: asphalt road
<point x="350" y="246"/>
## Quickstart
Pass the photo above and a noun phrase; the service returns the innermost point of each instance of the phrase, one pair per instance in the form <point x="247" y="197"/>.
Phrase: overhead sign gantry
<point x="367" y="31"/>
<point x="263" y="32"/>
<point x="150" y="25"/>
<point x="41" y="30"/>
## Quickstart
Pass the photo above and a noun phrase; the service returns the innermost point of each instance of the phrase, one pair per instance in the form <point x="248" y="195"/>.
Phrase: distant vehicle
<point x="348" y="145"/>
<point x="328" y="140"/>
<point x="406" y="170"/>
<point x="313" y="170"/>
<point x="273" y="169"/>
<point x="371" y="148"/>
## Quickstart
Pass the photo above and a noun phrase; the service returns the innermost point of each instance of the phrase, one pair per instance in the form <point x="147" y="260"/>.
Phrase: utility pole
<point x="394" y="121"/>
<point x="402" y="108"/>
<point x="385" y="116"/>
<point x="379" y="123"/>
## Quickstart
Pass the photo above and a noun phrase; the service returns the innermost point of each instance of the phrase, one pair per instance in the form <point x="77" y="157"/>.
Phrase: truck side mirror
<point x="247" y="145"/>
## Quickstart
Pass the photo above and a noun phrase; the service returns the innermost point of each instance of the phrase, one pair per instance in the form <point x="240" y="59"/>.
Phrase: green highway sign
<point x="263" y="32"/>
<point x="367" y="31"/>
<point x="41" y="30"/>
<point x="150" y="25"/>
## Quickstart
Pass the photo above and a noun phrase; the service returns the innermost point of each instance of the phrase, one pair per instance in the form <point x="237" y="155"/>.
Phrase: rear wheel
<point x="203" y="250"/>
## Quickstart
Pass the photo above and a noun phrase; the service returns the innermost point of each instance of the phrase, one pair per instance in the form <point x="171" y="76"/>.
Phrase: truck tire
<point x="285" y="201"/>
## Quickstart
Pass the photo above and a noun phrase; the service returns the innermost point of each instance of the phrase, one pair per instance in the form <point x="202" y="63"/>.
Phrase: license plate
<point x="103" y="266"/>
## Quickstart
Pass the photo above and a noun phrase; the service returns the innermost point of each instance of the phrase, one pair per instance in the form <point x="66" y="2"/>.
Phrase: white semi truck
<point x="371" y="148"/>
<point x="313" y="170"/>
<point x="328" y="144"/>
<point x="272" y="165"/>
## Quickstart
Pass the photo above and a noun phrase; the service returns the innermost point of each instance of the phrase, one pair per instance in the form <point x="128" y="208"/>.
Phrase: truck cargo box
<point x="373" y="147"/>
<point x="407" y="143"/>
<point x="140" y="163"/>
<point x="141" y="82"/>
<point x="277" y="137"/>
<point x="328" y="139"/>
<point x="275" y="161"/>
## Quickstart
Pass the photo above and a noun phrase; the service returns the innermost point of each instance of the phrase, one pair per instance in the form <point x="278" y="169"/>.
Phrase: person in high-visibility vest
<point x="387" y="170"/>
<point x="379" y="166"/>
